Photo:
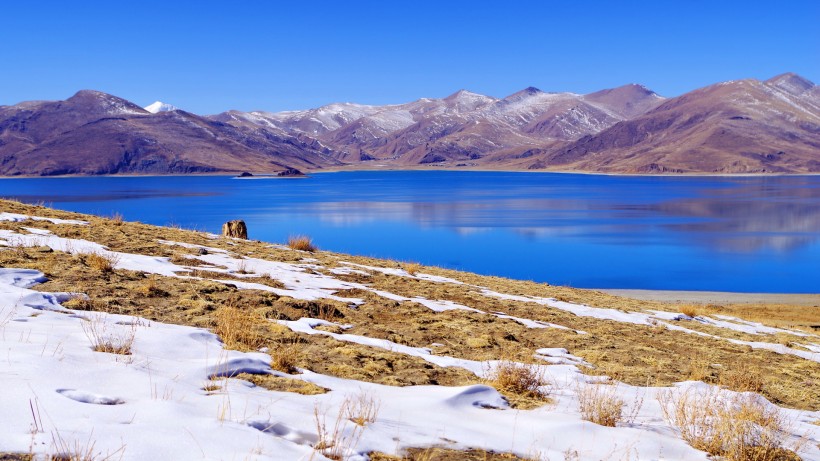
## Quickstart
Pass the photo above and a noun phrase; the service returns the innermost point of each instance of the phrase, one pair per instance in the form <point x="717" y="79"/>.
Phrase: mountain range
<point x="742" y="126"/>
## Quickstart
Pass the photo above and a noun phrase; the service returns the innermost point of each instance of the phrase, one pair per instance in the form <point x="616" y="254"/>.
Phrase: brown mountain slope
<point x="744" y="126"/>
<point x="627" y="101"/>
<point x="96" y="133"/>
<point x="463" y="127"/>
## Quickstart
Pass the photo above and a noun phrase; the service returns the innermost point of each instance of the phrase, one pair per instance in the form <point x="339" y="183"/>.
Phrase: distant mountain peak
<point x="159" y="106"/>
<point x="630" y="88"/>
<point x="110" y="104"/>
<point x="790" y="83"/>
<point x="89" y="93"/>
<point x="640" y="87"/>
<point x="462" y="94"/>
<point x="523" y="94"/>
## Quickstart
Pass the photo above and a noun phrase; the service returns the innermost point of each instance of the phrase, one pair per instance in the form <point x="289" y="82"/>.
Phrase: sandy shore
<point x="718" y="297"/>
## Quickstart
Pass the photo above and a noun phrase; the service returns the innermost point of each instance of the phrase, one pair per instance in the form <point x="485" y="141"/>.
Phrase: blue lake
<point x="746" y="234"/>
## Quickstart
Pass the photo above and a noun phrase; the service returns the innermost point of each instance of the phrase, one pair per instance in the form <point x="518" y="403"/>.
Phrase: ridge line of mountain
<point x="736" y="127"/>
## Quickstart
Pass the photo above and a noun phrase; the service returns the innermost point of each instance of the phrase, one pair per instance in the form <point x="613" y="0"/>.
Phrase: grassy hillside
<point x="401" y="324"/>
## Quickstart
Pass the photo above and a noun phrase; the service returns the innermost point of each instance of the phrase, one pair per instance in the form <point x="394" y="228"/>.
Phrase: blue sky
<point x="209" y="56"/>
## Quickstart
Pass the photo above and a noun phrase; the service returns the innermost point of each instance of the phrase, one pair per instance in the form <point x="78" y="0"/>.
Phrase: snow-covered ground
<point x="171" y="398"/>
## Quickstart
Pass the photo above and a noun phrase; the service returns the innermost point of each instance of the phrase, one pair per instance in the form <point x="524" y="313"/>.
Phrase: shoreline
<point x="359" y="168"/>
<point x="578" y="172"/>
<point x="716" y="297"/>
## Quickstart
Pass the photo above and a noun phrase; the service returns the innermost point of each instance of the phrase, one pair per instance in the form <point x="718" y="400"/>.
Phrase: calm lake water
<point x="747" y="234"/>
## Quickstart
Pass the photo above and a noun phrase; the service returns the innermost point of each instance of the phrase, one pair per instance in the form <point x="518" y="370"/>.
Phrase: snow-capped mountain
<point x="98" y="133"/>
<point x="742" y="126"/>
<point x="463" y="126"/>
<point x="159" y="106"/>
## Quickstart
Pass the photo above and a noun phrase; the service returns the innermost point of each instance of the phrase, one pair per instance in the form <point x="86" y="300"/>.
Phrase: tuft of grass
<point x="301" y="243"/>
<point x="525" y="381"/>
<point x="362" y="408"/>
<point x="335" y="442"/>
<point x="690" y="310"/>
<point x="103" y="262"/>
<point x="117" y="219"/>
<point x="242" y="266"/>
<point x="700" y="370"/>
<point x="284" y="358"/>
<point x="64" y="450"/>
<point x="479" y="341"/>
<point x="108" y="338"/>
<point x="211" y="387"/>
<point x="238" y="327"/>
<point x="742" y="377"/>
<point x="737" y="427"/>
<point x="600" y="404"/>
<point x="151" y="289"/>
<point x="283" y="384"/>
<point x="411" y="268"/>
<point x="448" y="454"/>
<point x="4" y="456"/>
<point x="84" y="303"/>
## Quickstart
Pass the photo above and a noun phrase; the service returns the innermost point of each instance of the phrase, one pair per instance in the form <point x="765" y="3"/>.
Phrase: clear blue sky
<point x="209" y="56"/>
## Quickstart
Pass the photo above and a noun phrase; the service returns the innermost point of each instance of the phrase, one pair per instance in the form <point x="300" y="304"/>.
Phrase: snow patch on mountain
<point x="159" y="106"/>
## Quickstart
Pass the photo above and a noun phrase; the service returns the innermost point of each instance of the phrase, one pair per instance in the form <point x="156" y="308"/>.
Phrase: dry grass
<point x="242" y="267"/>
<point x="446" y="454"/>
<point x="742" y="377"/>
<point x="16" y="456"/>
<point x="700" y="370"/>
<point x="799" y="316"/>
<point x="600" y="404"/>
<point x="281" y="384"/>
<point x="104" y="337"/>
<point x="337" y="438"/>
<point x="284" y="357"/>
<point x="117" y="219"/>
<point x="301" y="243"/>
<point x="690" y="310"/>
<point x="411" y="268"/>
<point x="362" y="408"/>
<point x="737" y="427"/>
<point x="151" y="288"/>
<point x="636" y="354"/>
<point x="211" y="387"/>
<point x="65" y="450"/>
<point x="524" y="385"/>
<point x="102" y="262"/>
<point x="239" y="327"/>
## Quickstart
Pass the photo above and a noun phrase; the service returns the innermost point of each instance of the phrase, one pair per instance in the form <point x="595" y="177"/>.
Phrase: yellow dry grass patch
<point x="445" y="454"/>
<point x="99" y="261"/>
<point x="524" y="386"/>
<point x="16" y="457"/>
<point x="600" y="404"/>
<point x="690" y="310"/>
<point x="280" y="384"/>
<point x="740" y="427"/>
<point x="239" y="327"/>
<point x="411" y="268"/>
<point x="301" y="243"/>
<point x="806" y="318"/>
